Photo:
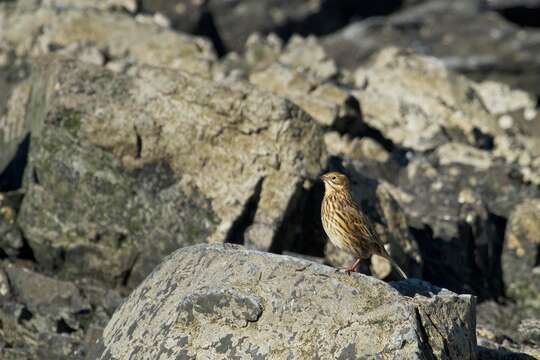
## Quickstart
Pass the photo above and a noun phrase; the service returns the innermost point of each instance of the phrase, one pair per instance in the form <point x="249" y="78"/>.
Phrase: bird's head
<point x="335" y="181"/>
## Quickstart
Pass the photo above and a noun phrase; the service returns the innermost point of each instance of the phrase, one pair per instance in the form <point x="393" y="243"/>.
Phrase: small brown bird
<point x="346" y="226"/>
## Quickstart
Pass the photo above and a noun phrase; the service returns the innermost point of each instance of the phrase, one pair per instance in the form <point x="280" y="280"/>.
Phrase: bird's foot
<point x="348" y="270"/>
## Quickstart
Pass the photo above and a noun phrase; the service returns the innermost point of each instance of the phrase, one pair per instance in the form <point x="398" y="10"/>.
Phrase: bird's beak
<point x="322" y="177"/>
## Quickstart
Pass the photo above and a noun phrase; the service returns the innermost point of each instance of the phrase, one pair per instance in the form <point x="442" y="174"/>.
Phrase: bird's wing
<point x="360" y="224"/>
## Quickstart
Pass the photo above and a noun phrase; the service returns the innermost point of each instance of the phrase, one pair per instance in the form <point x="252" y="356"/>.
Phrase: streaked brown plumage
<point x="345" y="224"/>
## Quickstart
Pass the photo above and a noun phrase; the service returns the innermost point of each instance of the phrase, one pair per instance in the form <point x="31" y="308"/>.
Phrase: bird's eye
<point x="333" y="178"/>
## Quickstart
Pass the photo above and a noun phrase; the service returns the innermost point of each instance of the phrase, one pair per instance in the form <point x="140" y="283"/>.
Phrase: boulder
<point x="100" y="37"/>
<point x="185" y="15"/>
<point x="461" y="33"/>
<point x="123" y="169"/>
<point x="224" y="301"/>
<point x="11" y="239"/>
<point x="235" y="21"/>
<point x="45" y="318"/>
<point x="84" y="30"/>
<point x="521" y="253"/>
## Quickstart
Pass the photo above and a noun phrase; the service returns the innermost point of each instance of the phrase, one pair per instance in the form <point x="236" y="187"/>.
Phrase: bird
<point x="345" y="224"/>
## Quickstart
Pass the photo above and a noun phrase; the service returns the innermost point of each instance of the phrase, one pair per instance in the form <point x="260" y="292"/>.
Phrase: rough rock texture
<point x="251" y="304"/>
<point x="44" y="318"/>
<point x="116" y="162"/>
<point x="100" y="37"/>
<point x="301" y="72"/>
<point x="11" y="240"/>
<point x="236" y="20"/>
<point x="81" y="29"/>
<point x="126" y="168"/>
<point x="13" y="139"/>
<point x="184" y="15"/>
<point x="419" y="104"/>
<point x="466" y="38"/>
<point x="521" y="254"/>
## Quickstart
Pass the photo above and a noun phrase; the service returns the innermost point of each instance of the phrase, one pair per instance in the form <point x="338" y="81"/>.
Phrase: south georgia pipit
<point x="345" y="224"/>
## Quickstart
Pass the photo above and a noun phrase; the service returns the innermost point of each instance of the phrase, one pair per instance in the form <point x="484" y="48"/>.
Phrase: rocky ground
<point x="129" y="129"/>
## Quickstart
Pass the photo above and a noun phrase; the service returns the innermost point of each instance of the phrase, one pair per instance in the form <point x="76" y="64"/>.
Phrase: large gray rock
<point x="81" y="29"/>
<point x="468" y="39"/>
<point x="98" y="37"/>
<point x="121" y="167"/>
<point x="521" y="271"/>
<point x="236" y="20"/>
<point x="225" y="301"/>
<point x="45" y="318"/>
<point x="301" y="73"/>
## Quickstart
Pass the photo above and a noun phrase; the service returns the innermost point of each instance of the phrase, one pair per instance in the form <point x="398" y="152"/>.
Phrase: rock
<point x="418" y="104"/>
<point x="259" y="304"/>
<point x="90" y="34"/>
<point x="79" y="29"/>
<point x="5" y="288"/>
<point x="520" y="253"/>
<point x="11" y="241"/>
<point x="505" y="331"/>
<point x="306" y="55"/>
<point x="45" y="318"/>
<point x="13" y="131"/>
<point x="125" y="191"/>
<point x="501" y="99"/>
<point x="301" y="72"/>
<point x="185" y="15"/>
<point x="465" y="37"/>
<point x="529" y="330"/>
<point x="39" y="313"/>
<point x="354" y="148"/>
<point x="327" y="104"/>
<point x="46" y="296"/>
<point x="129" y="5"/>
<point x="504" y="4"/>
<point x="456" y="153"/>
<point x="237" y="20"/>
<point x="417" y="108"/>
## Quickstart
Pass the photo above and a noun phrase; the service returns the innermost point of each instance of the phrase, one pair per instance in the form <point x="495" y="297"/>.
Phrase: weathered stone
<point x="13" y="129"/>
<point x="419" y="98"/>
<point x="503" y="4"/>
<point x="185" y="15"/>
<point x="308" y="56"/>
<point x="355" y="148"/>
<point x="417" y="103"/>
<point x="529" y="331"/>
<point x="46" y="296"/>
<point x="44" y="318"/>
<point x="129" y="5"/>
<point x="37" y="307"/>
<point x="465" y="37"/>
<point x="327" y="104"/>
<point x="520" y="253"/>
<point x="45" y="29"/>
<point x="123" y="190"/>
<point x="237" y="20"/>
<point x="262" y="305"/>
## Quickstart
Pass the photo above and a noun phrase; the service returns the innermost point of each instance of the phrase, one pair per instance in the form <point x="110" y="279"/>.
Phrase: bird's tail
<point x="382" y="252"/>
<point x="400" y="270"/>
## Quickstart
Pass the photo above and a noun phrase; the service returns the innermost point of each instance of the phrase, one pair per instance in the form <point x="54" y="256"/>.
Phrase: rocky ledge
<point x="224" y="301"/>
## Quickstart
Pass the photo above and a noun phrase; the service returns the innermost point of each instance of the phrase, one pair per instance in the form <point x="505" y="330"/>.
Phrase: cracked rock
<point x="251" y="304"/>
<point x="117" y="192"/>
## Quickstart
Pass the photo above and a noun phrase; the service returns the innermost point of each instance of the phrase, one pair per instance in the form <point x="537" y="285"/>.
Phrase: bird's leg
<point x="353" y="267"/>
